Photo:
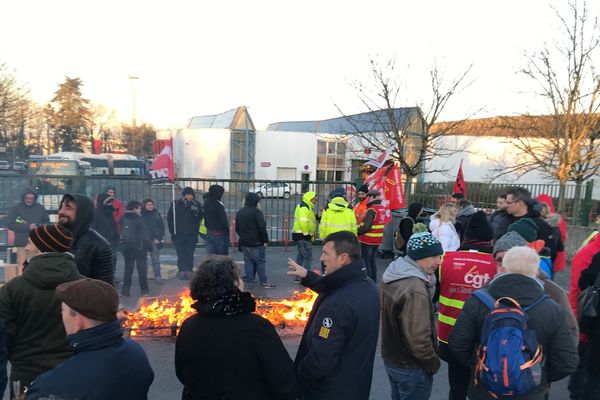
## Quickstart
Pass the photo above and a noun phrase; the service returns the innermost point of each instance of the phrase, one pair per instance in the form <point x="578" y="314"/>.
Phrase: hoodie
<point x="337" y="217"/>
<point x="118" y="210"/>
<point x="408" y="336"/>
<point x="250" y="223"/>
<point x="215" y="217"/>
<point x="36" y="338"/>
<point x="305" y="222"/>
<point x="22" y="215"/>
<point x="93" y="254"/>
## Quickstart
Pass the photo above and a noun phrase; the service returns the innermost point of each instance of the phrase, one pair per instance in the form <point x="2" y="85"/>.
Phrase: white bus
<point x="107" y="164"/>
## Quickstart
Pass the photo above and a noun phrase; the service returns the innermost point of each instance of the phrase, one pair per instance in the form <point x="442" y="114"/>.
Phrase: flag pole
<point x="173" y="187"/>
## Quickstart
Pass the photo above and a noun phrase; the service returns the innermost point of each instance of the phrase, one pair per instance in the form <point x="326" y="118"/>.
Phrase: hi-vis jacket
<point x="337" y="217"/>
<point x="461" y="273"/>
<point x="305" y="222"/>
<point x="374" y="236"/>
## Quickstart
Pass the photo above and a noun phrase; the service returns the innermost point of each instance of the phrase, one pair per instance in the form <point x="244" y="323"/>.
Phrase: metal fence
<point x="279" y="197"/>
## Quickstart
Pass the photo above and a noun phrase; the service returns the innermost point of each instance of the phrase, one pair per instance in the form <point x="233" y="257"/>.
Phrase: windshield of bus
<point x="53" y="167"/>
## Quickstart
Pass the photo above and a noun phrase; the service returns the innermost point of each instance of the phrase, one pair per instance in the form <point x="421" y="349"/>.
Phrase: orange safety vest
<point x="461" y="273"/>
<point x="360" y="211"/>
<point x="375" y="235"/>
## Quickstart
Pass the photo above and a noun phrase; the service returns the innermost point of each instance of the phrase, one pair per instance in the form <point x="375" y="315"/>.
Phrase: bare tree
<point x="405" y="129"/>
<point x="101" y="126"/>
<point x="13" y="111"/>
<point x="563" y="144"/>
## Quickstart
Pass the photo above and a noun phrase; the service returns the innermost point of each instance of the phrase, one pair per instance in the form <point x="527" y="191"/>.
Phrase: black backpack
<point x="130" y="237"/>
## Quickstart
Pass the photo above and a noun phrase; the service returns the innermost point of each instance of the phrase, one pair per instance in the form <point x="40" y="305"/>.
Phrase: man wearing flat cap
<point x="104" y="364"/>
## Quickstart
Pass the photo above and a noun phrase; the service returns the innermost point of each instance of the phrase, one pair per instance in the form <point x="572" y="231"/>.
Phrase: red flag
<point x="389" y="182"/>
<point x="162" y="168"/>
<point x="459" y="185"/>
<point x="97" y="147"/>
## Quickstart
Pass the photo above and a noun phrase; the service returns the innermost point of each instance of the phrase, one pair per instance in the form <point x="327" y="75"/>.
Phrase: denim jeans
<point x="218" y="245"/>
<point x="409" y="383"/>
<point x="368" y="253"/>
<point x="154" y="258"/>
<point x="254" y="261"/>
<point x="304" y="256"/>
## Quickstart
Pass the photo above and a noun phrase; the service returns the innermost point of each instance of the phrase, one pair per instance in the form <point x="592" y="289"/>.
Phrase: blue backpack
<point x="509" y="357"/>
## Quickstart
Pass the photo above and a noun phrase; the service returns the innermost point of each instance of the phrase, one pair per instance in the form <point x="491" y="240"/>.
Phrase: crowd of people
<point x="471" y="289"/>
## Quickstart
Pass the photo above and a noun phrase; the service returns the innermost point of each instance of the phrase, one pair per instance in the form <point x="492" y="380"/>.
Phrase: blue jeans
<point x="368" y="253"/>
<point x="304" y="257"/>
<point x="154" y="258"/>
<point x="218" y="245"/>
<point x="254" y="261"/>
<point x="409" y="383"/>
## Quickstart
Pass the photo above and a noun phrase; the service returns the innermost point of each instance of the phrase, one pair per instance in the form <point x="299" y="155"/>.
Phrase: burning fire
<point x="164" y="316"/>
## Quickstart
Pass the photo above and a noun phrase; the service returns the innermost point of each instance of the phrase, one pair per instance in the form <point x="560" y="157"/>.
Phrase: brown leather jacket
<point x="408" y="337"/>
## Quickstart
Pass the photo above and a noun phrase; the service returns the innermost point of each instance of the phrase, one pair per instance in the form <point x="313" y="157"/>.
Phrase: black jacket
<point x="215" y="217"/>
<point x="21" y="216"/>
<point x="141" y="241"/>
<point x="546" y="318"/>
<point x="232" y="357"/>
<point x="104" y="222"/>
<point x="93" y="254"/>
<point x="104" y="366"/>
<point x="591" y="327"/>
<point x="36" y="337"/>
<point x="499" y="222"/>
<point x="250" y="223"/>
<point x="153" y="223"/>
<point x="187" y="218"/>
<point x="336" y="353"/>
<point x="406" y="230"/>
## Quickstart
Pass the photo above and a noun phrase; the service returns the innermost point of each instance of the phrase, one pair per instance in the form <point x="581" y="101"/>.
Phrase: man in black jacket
<point x="92" y="252"/>
<point x="251" y="228"/>
<point x="517" y="280"/>
<point x="184" y="221"/>
<point x="154" y="225"/>
<point x="336" y="353"/>
<point x="215" y="219"/>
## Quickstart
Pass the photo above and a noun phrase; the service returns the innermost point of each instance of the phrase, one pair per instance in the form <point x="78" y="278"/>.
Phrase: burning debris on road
<point x="163" y="316"/>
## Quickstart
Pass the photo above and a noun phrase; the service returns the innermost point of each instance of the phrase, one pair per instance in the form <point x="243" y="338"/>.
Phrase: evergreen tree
<point x="70" y="116"/>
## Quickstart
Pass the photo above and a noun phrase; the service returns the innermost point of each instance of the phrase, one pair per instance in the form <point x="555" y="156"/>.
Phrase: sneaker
<point x="267" y="286"/>
<point x="159" y="281"/>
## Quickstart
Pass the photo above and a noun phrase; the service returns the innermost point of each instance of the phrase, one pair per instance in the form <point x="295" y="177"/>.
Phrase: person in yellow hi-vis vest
<point x="305" y="228"/>
<point x="337" y="217"/>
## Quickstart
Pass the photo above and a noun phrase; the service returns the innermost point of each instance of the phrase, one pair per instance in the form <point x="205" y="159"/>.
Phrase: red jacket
<point x="560" y="262"/>
<point x="581" y="261"/>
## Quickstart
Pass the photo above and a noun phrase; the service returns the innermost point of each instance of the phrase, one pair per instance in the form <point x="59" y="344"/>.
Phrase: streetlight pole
<point x="133" y="78"/>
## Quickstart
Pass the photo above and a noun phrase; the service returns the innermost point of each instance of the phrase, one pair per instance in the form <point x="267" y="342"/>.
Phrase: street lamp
<point x="133" y="78"/>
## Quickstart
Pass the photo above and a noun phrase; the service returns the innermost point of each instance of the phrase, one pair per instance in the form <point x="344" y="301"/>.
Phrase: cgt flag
<point x="162" y="169"/>
<point x="389" y="182"/>
<point x="459" y="185"/>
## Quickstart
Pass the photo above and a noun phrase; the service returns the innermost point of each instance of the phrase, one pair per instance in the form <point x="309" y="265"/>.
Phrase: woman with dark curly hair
<point x="226" y="351"/>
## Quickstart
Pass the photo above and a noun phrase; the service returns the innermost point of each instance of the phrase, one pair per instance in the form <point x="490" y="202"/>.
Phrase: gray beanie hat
<point x="422" y="245"/>
<point x="508" y="241"/>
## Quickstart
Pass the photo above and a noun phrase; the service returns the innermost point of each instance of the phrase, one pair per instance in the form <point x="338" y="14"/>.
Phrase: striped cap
<point x="51" y="238"/>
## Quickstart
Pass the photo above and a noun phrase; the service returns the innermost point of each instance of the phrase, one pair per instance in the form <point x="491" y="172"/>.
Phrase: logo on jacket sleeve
<point x="326" y="328"/>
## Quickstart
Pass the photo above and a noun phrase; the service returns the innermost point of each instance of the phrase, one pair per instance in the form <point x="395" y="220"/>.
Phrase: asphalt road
<point x="161" y="351"/>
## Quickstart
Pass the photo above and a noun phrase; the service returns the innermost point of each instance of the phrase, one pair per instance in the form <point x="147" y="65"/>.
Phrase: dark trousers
<point x="577" y="381"/>
<point x="458" y="375"/>
<point x="217" y="245"/>
<point x="368" y="253"/>
<point x="137" y="258"/>
<point x="185" y="247"/>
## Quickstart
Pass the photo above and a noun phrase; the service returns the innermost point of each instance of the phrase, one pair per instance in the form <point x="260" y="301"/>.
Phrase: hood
<point x="84" y="216"/>
<point x="188" y="190"/>
<point x="48" y="270"/>
<point x="553" y="219"/>
<point x="337" y="204"/>
<point x="216" y="192"/>
<point x="524" y="289"/>
<point x="307" y="197"/>
<point x="468" y="210"/>
<point x="544" y="198"/>
<point x="106" y="188"/>
<point x="337" y="192"/>
<point x="414" y="209"/>
<point x="29" y="191"/>
<point x="251" y="200"/>
<point x="406" y="267"/>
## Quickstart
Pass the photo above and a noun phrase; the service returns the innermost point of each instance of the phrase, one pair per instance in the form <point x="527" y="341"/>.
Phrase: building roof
<point x="502" y="126"/>
<point x="375" y="121"/>
<point x="237" y="118"/>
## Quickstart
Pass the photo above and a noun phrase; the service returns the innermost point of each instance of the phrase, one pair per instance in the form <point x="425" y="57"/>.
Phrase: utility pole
<point x="133" y="78"/>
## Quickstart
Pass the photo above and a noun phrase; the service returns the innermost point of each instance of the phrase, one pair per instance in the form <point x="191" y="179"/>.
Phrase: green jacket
<point x="35" y="335"/>
<point x="337" y="217"/>
<point x="305" y="222"/>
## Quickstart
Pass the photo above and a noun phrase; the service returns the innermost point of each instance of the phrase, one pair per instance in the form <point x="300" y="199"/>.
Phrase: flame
<point x="164" y="315"/>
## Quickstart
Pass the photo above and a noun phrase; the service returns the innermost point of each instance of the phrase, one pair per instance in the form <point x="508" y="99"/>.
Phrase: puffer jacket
<point x="36" y="337"/>
<point x="305" y="222"/>
<point x="547" y="318"/>
<point x="93" y="254"/>
<point x="215" y="217"/>
<point x="408" y="335"/>
<point x="337" y="217"/>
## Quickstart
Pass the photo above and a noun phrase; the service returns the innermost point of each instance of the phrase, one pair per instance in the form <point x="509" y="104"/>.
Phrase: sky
<point x="286" y="61"/>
